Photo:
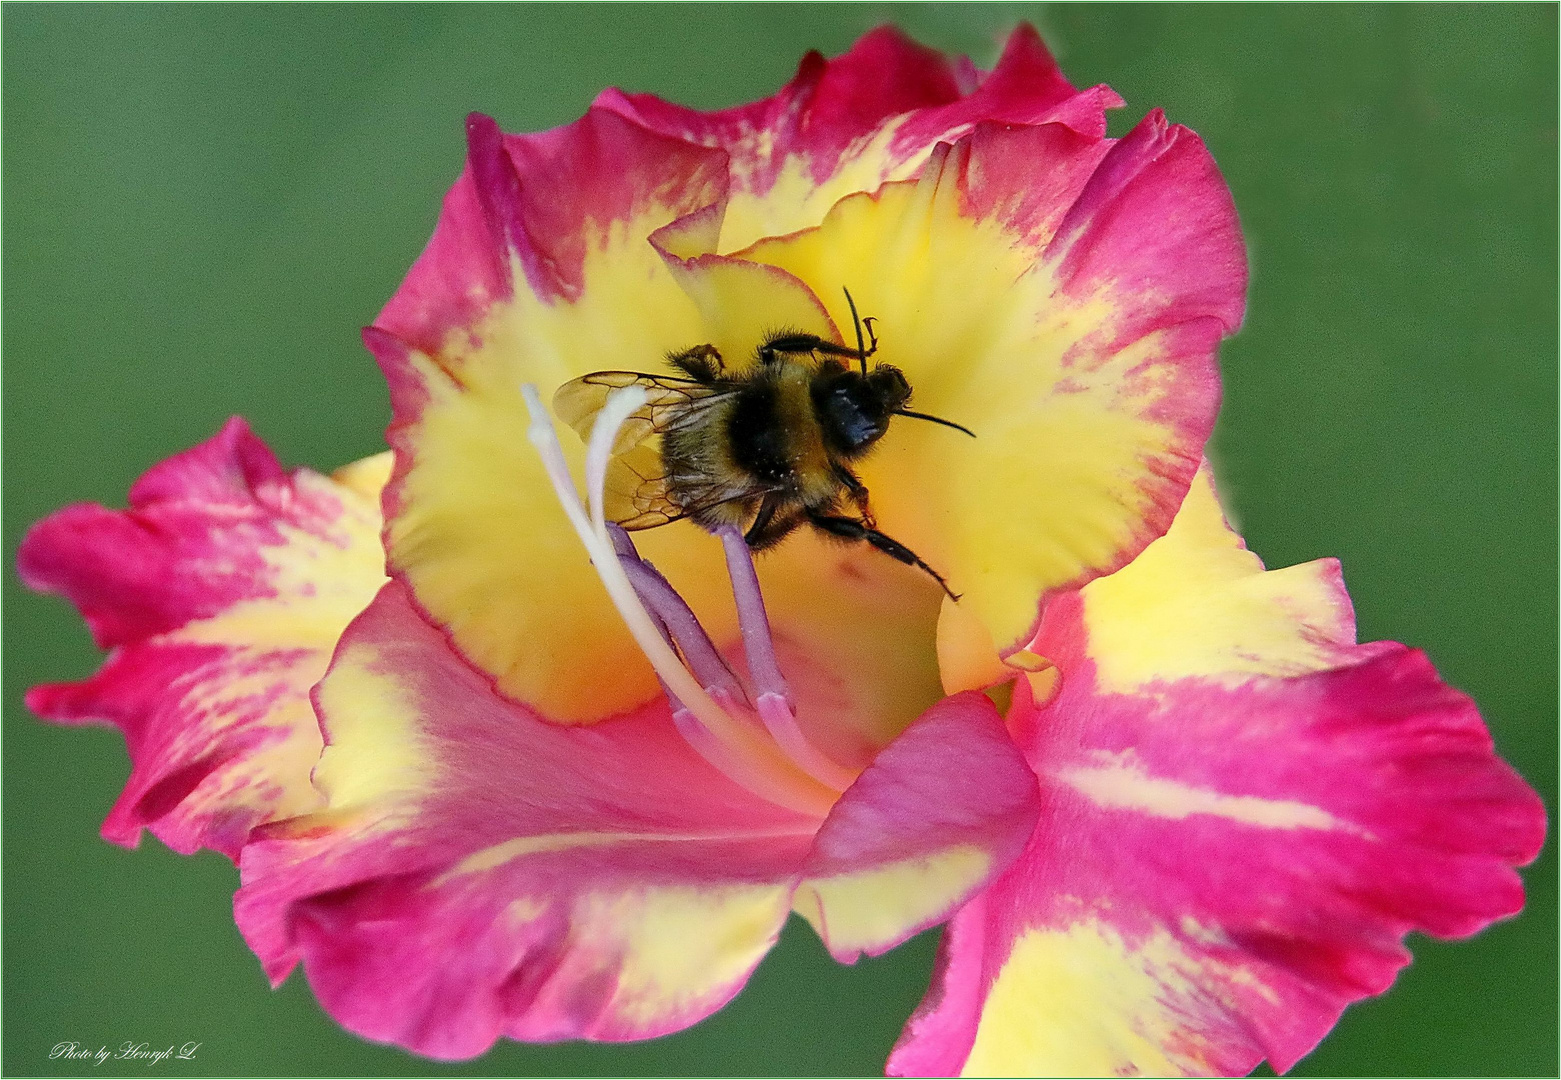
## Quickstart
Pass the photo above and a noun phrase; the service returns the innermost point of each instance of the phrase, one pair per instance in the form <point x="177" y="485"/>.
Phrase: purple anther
<point x="773" y="698"/>
<point x="698" y="736"/>
<point x="673" y="614"/>
<point x="622" y="542"/>
<point x="672" y="699"/>
<point x="694" y="732"/>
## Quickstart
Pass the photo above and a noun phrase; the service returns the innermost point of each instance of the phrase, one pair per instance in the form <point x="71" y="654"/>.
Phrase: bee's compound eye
<point x="854" y="411"/>
<point x="889" y="386"/>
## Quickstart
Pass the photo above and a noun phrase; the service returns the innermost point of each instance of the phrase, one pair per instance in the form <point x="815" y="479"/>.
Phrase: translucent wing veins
<point x="638" y="494"/>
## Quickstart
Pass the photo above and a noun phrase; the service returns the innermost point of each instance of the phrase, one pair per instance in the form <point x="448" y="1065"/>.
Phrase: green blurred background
<point x="202" y="205"/>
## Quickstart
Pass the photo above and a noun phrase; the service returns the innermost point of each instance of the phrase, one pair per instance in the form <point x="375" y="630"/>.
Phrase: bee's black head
<point x="853" y="409"/>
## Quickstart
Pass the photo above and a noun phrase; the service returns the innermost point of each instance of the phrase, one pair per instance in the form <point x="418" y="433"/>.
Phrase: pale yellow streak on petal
<point x="1081" y="1002"/>
<point x="320" y="585"/>
<point x="377" y="753"/>
<point x="1197" y="603"/>
<point x="496" y="855"/>
<point x="1120" y="782"/>
<point x="871" y="909"/>
<point x="679" y="944"/>
<point x="277" y="770"/>
<point x="526" y="909"/>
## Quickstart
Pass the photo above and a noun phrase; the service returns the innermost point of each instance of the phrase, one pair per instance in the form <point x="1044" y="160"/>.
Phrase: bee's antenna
<point x="861" y="350"/>
<point x="935" y="420"/>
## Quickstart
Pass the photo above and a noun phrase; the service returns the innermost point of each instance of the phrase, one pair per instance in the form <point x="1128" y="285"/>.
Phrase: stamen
<point x="673" y="612"/>
<point x="694" y="733"/>
<point x="774" y="697"/>
<point x="748" y="758"/>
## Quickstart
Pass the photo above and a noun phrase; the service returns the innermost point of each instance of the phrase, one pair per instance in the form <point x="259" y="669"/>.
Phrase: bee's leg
<point x="851" y="529"/>
<point x="789" y="345"/>
<point x="797" y="344"/>
<point x="761" y="523"/>
<point x="858" y="491"/>
<point x="702" y="363"/>
<point x="770" y="526"/>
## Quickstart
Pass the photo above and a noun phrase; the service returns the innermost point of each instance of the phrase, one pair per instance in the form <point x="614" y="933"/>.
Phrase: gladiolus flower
<point x="493" y="767"/>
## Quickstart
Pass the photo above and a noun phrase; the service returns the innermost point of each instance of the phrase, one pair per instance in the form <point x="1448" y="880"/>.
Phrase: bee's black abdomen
<point x="758" y="439"/>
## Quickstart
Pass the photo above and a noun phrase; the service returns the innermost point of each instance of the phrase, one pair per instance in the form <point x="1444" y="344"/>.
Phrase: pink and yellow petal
<point x="1197" y="604"/>
<point x="935" y="817"/>
<point x="221" y="738"/>
<point x="867" y="117"/>
<point x="1091" y="393"/>
<point x="221" y="592"/>
<point x="1231" y="852"/>
<point x="479" y="873"/>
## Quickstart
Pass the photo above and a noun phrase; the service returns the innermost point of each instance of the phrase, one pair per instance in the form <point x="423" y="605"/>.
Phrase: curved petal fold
<point x="936" y="816"/>
<point x="220" y="593"/>
<point x="1230" y="851"/>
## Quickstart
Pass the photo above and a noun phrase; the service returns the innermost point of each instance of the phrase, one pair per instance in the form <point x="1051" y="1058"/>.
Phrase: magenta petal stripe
<point x="1156" y="226"/>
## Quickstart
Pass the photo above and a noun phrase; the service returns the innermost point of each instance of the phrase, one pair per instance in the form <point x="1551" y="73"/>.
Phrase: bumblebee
<point x="766" y="449"/>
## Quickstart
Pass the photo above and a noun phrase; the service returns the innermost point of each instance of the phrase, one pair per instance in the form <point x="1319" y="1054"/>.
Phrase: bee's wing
<point x="666" y="399"/>
<point x="638" y="493"/>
